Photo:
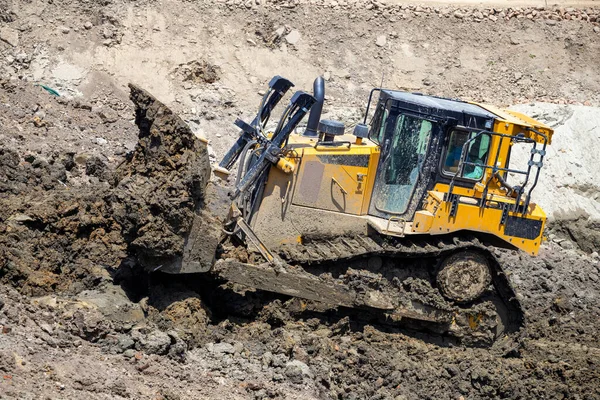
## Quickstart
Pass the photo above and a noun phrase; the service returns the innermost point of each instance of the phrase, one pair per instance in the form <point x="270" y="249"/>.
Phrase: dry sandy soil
<point x="77" y="321"/>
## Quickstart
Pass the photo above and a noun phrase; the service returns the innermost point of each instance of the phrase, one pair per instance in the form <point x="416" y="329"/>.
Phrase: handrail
<point x="495" y="169"/>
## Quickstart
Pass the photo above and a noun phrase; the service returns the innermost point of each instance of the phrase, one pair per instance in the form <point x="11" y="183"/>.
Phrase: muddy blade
<point x="294" y="281"/>
<point x="204" y="236"/>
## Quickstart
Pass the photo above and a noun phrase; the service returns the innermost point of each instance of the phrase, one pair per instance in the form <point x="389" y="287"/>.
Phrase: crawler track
<point x="371" y="272"/>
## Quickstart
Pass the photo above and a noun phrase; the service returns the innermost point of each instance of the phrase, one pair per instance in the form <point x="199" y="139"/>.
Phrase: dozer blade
<point x="294" y="281"/>
<point x="205" y="234"/>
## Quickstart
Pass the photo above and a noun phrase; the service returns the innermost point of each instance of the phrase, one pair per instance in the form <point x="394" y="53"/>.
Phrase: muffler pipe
<point x="315" y="111"/>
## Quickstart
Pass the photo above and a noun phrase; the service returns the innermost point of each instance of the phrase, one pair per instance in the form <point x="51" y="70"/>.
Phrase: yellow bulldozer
<point x="400" y="216"/>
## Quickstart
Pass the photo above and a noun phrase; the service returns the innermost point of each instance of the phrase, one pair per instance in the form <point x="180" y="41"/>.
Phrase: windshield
<point x="403" y="159"/>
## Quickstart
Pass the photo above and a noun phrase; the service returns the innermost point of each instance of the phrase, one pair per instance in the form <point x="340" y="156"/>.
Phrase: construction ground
<point x="77" y="321"/>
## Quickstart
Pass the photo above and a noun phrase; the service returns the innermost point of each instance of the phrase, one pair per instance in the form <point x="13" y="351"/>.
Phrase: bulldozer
<point x="401" y="215"/>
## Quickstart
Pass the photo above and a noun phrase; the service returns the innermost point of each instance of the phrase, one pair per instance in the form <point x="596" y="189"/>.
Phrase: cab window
<point x="476" y="154"/>
<point x="380" y="123"/>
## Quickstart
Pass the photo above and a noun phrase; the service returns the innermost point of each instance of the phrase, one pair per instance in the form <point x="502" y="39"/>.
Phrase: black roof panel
<point x="440" y="107"/>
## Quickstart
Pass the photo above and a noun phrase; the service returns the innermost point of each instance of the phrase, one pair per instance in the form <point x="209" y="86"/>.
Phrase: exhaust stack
<point x="315" y="111"/>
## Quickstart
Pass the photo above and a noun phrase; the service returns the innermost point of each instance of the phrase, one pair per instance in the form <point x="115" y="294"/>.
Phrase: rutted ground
<point x="77" y="318"/>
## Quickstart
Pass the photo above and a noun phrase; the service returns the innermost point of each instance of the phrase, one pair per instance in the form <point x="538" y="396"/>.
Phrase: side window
<point x="477" y="153"/>
<point x="379" y="125"/>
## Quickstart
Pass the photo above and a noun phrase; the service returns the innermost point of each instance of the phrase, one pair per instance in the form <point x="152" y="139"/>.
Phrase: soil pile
<point x="56" y="237"/>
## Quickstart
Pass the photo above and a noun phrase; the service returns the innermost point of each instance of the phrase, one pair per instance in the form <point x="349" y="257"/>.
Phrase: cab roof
<point x="470" y="115"/>
<point x="467" y="114"/>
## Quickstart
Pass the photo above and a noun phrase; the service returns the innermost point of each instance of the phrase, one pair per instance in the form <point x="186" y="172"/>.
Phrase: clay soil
<point x="103" y="178"/>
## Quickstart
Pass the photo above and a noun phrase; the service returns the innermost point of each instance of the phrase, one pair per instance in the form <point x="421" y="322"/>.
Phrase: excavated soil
<point x="96" y="189"/>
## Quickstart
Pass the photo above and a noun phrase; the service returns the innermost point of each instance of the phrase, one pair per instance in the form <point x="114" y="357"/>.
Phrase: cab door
<point x="400" y="178"/>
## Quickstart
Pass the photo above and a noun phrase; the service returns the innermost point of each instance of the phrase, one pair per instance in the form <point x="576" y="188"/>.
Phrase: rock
<point x="125" y="343"/>
<point x="95" y="166"/>
<point x="381" y="40"/>
<point x="88" y="25"/>
<point x="296" y="371"/>
<point x="567" y="245"/>
<point x="458" y="14"/>
<point x="267" y="359"/>
<point x="493" y="18"/>
<point x="550" y="22"/>
<point x="327" y="75"/>
<point x="597" y="29"/>
<point x="113" y="303"/>
<point x="293" y="37"/>
<point x="178" y="346"/>
<point x="89" y="324"/>
<point x="64" y="29"/>
<point x="157" y="342"/>
<point x="9" y="36"/>
<point x="20" y="218"/>
<point x="101" y="141"/>
<point x="222" y="348"/>
<point x="7" y="361"/>
<point x="46" y="327"/>
<point x="452" y="370"/>
<point x="1" y="303"/>
<point x="478" y="15"/>
<point x="107" y="33"/>
<point x="81" y="158"/>
<point x="594" y="277"/>
<point x="514" y="40"/>
<point x="108" y="115"/>
<point x="129" y="353"/>
<point x="279" y="32"/>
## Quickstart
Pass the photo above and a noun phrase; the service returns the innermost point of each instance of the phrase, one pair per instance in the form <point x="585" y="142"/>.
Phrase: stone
<point x="478" y="15"/>
<point x="514" y="40"/>
<point x="296" y="371"/>
<point x="381" y="41"/>
<point x="129" y="353"/>
<point x="280" y="31"/>
<point x="594" y="277"/>
<point x="567" y="245"/>
<point x="64" y="29"/>
<point x="88" y="25"/>
<point x="222" y="348"/>
<point x="82" y="158"/>
<point x="493" y="18"/>
<point x="293" y="37"/>
<point x="9" y="36"/>
<point x="550" y="22"/>
<point x="327" y="75"/>
<point x="108" y="115"/>
<point x="458" y="14"/>
<point x="125" y="342"/>
<point x="597" y="29"/>
<point x="100" y="141"/>
<point x="108" y="33"/>
<point x="157" y="342"/>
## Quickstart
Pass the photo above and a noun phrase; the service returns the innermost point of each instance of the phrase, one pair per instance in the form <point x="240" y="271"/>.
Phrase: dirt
<point x="88" y="199"/>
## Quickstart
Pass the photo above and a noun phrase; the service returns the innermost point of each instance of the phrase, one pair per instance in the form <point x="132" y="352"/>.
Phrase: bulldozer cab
<point x="421" y="139"/>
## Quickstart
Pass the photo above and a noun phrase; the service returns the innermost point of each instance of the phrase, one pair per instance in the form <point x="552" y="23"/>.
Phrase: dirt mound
<point x="160" y="185"/>
<point x="59" y="238"/>
<point x="199" y="72"/>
